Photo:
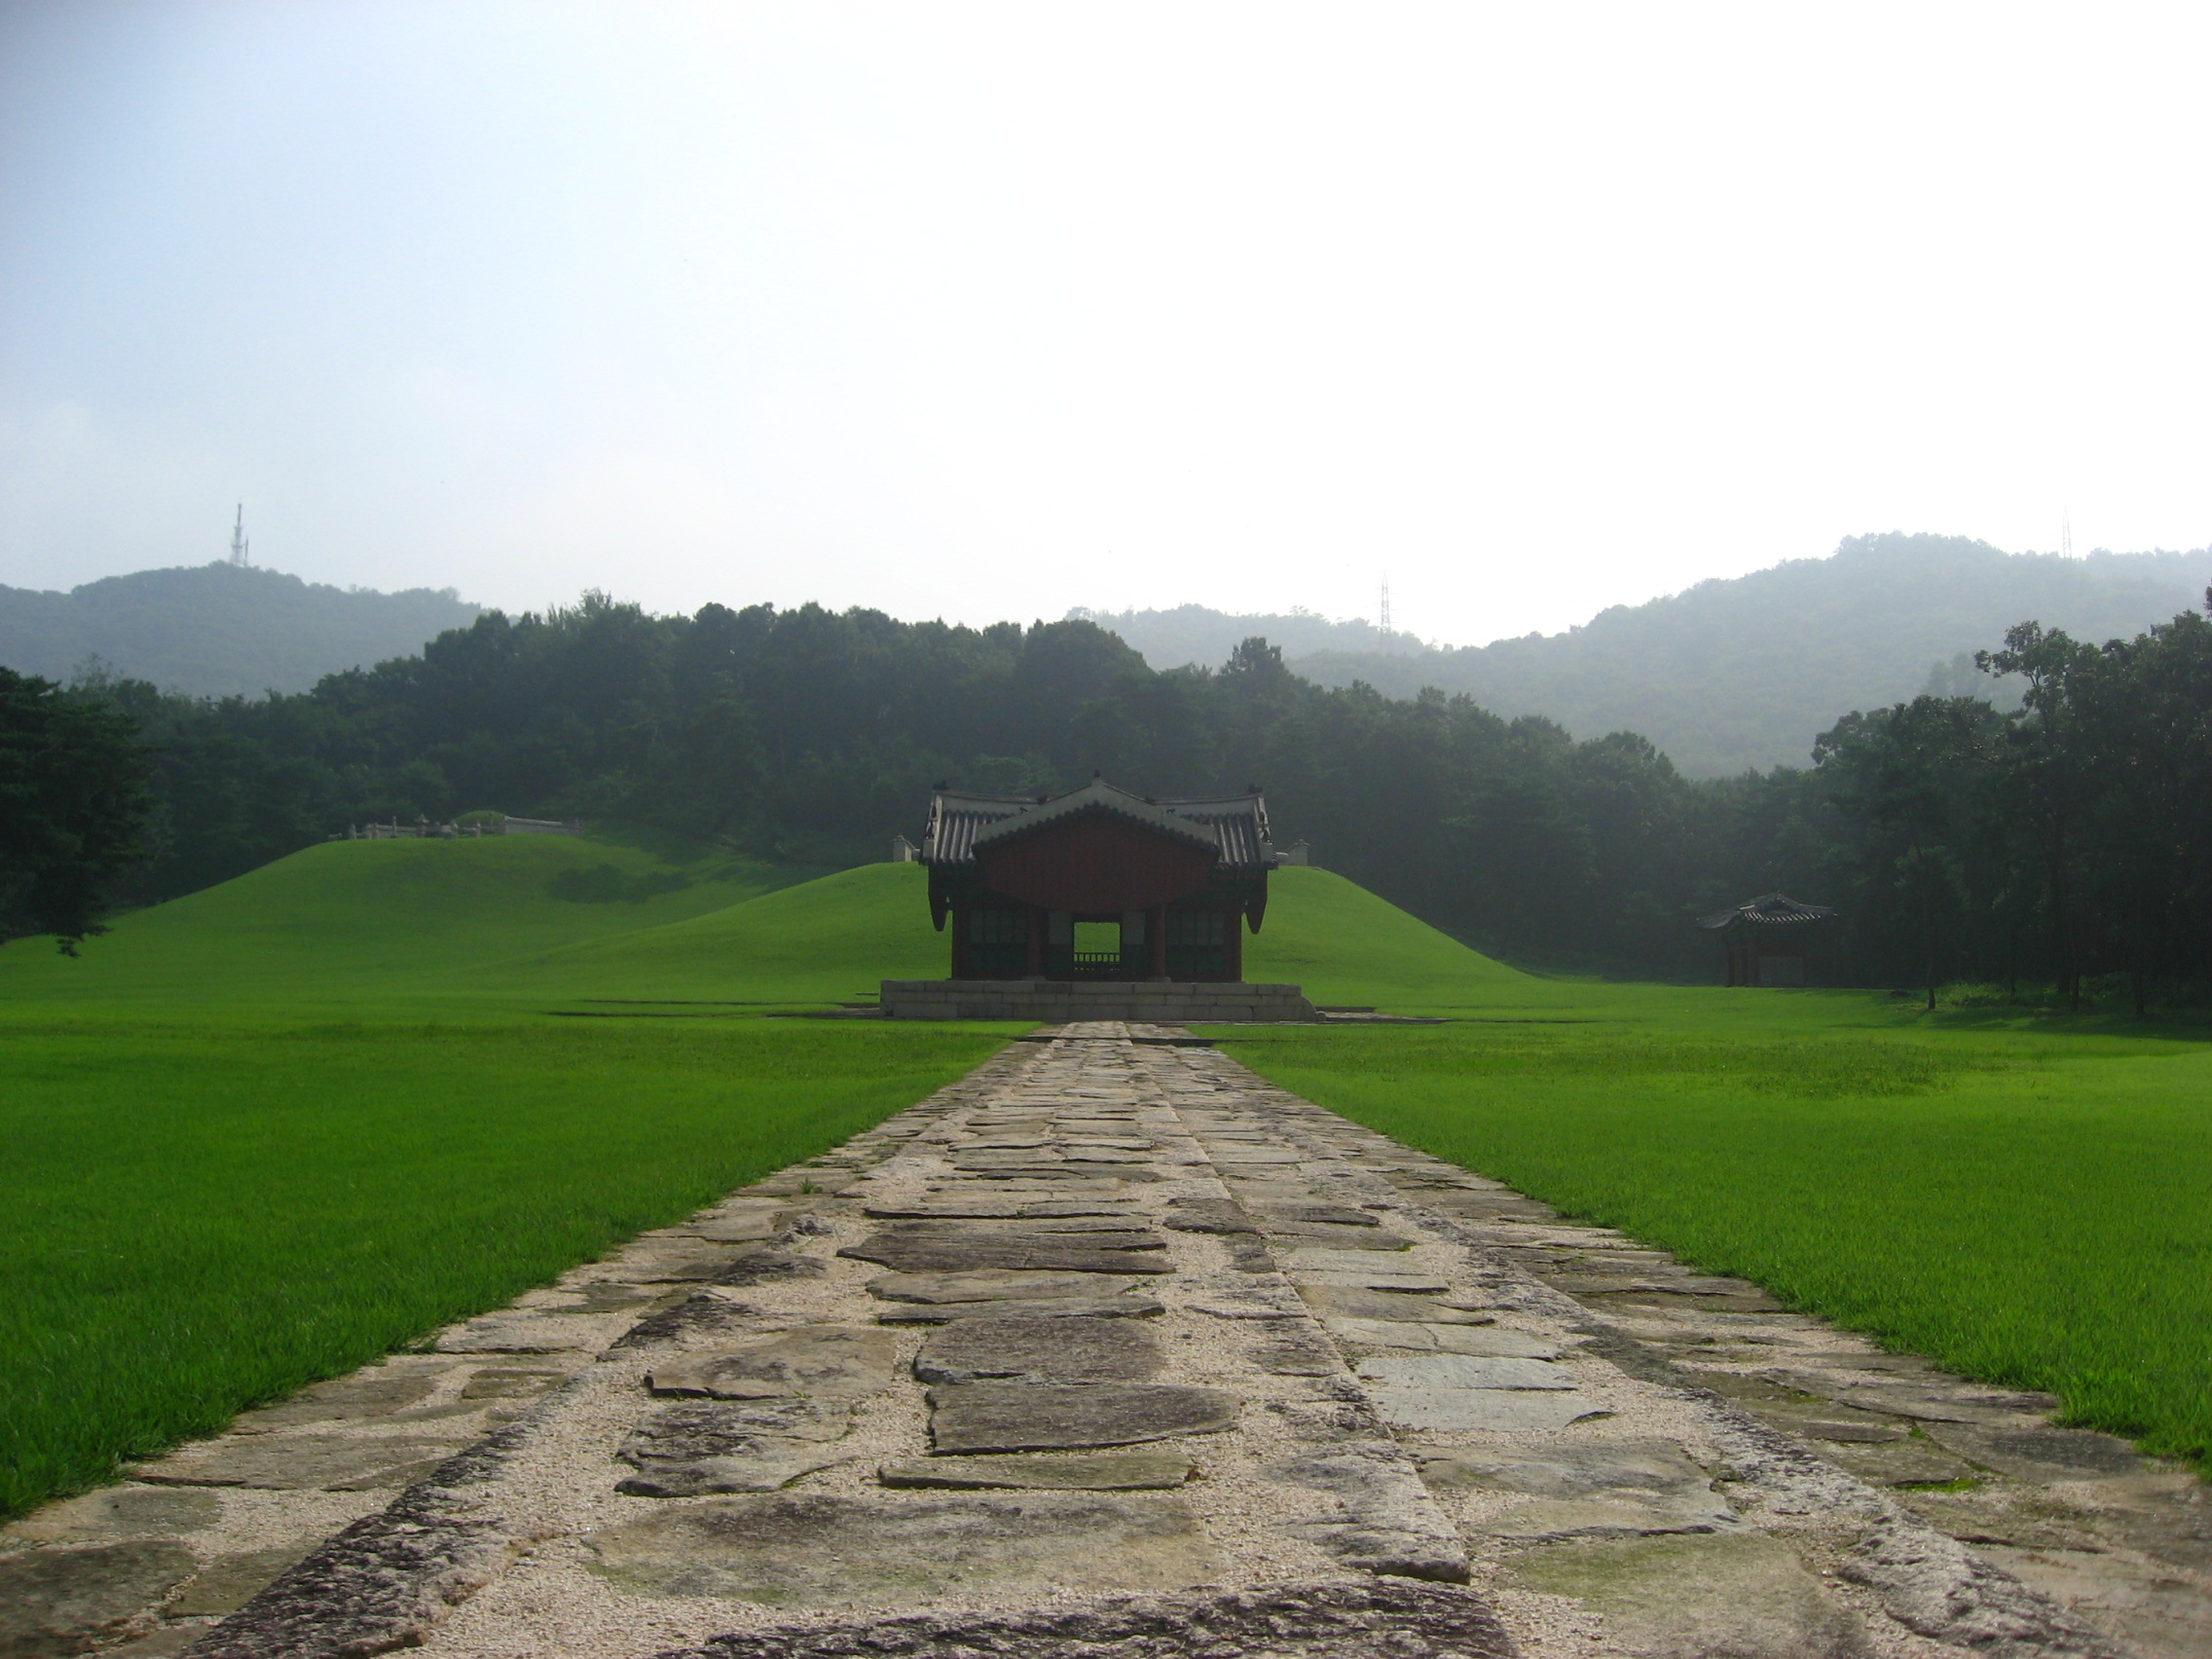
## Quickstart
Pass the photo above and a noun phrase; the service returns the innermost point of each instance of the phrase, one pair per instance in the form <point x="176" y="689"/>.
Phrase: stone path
<point x="1114" y="1345"/>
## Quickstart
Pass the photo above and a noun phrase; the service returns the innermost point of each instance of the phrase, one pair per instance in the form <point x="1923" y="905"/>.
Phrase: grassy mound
<point x="531" y="921"/>
<point x="1349" y="948"/>
<point x="353" y="921"/>
<point x="827" y="941"/>
<point x="833" y="940"/>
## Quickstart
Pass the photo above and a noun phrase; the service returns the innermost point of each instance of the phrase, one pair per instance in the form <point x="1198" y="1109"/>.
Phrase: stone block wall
<point x="1154" y="1001"/>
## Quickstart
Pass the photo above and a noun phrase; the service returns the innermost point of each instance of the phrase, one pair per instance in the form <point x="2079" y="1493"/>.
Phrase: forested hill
<point x="215" y="630"/>
<point x="2069" y="840"/>
<point x="1743" y="673"/>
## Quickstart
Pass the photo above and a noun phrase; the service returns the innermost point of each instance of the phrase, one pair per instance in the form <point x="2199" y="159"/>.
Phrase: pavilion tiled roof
<point x="1767" y="910"/>
<point x="1235" y="826"/>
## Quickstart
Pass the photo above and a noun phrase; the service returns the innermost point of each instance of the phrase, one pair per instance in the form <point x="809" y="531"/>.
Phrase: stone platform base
<point x="1159" y="1002"/>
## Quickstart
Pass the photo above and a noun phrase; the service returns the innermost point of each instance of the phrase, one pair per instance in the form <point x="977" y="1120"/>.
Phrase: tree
<point x="2141" y="717"/>
<point x="2050" y="757"/>
<point x="1909" y="775"/>
<point x="73" y="808"/>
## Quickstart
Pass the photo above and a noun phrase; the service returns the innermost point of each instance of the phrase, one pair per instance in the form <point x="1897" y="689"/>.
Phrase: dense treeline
<point x="2065" y="840"/>
<point x="2070" y="839"/>
<point x="73" y="808"/>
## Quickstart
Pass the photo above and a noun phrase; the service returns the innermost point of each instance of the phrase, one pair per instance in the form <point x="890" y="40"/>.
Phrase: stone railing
<point x="423" y="830"/>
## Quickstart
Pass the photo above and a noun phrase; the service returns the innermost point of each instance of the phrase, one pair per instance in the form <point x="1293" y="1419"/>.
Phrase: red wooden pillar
<point x="1156" y="941"/>
<point x="960" y="941"/>
<point x="1036" y="943"/>
<point x="1233" y="935"/>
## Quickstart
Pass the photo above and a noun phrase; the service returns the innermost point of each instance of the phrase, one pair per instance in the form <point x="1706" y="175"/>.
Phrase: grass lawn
<point x="264" y="1133"/>
<point x="2026" y="1207"/>
<point x="350" y="922"/>
<point x="829" y="940"/>
<point x="1348" y="948"/>
<point x="261" y="1134"/>
<point x="205" y="1214"/>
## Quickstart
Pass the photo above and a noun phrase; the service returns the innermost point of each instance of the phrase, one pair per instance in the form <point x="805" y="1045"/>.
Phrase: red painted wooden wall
<point x="1095" y="865"/>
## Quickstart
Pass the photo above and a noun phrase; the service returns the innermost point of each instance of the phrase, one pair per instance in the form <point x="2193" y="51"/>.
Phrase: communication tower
<point x="1386" y="603"/>
<point x="2065" y="535"/>
<point x="237" y="537"/>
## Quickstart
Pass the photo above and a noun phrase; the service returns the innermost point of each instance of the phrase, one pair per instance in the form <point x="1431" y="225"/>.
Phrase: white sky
<point x="988" y="311"/>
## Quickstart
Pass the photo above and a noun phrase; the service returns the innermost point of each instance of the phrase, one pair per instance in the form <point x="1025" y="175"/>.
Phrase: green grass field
<point x="263" y="1134"/>
<point x="355" y="923"/>
<point x="210" y="1213"/>
<point x="272" y="1130"/>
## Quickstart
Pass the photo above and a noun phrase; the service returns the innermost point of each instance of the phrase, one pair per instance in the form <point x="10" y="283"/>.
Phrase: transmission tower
<point x="2065" y="535"/>
<point x="1386" y="603"/>
<point x="237" y="537"/>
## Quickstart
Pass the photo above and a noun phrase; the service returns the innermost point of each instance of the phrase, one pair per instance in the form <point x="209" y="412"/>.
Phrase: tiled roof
<point x="1240" y="824"/>
<point x="1235" y="826"/>
<point x="1767" y="910"/>
<point x="954" y="819"/>
<point x="1098" y="795"/>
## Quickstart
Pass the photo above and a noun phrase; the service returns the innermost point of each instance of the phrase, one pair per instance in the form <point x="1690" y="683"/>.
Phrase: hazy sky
<point x="988" y="311"/>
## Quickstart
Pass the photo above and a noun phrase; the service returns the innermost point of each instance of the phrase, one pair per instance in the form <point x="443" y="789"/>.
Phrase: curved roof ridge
<point x="1767" y="910"/>
<point x="1098" y="795"/>
<point x="1234" y="825"/>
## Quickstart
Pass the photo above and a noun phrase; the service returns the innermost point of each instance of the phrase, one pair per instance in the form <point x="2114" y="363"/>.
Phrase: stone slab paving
<point x="1113" y="1347"/>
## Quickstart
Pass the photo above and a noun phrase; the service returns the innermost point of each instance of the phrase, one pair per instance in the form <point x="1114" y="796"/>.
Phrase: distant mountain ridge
<point x="1193" y="634"/>
<point x="1741" y="671"/>
<point x="219" y="630"/>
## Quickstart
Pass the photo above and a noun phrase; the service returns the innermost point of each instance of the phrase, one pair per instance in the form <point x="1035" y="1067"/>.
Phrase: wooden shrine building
<point x="1766" y="939"/>
<point x="1097" y="884"/>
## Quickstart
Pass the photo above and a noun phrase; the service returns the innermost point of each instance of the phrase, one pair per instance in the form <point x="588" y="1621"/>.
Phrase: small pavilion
<point x="1766" y="939"/>
<point x="1097" y="884"/>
